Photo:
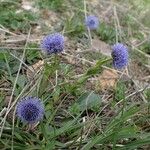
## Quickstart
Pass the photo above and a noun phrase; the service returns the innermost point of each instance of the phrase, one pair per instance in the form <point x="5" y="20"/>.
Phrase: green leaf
<point x="97" y="68"/>
<point x="87" y="101"/>
<point x="120" y="91"/>
<point x="21" y="81"/>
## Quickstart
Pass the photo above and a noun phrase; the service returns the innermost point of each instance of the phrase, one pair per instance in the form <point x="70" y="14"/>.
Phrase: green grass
<point x="106" y="33"/>
<point x="18" y="21"/>
<point x="77" y="116"/>
<point x="56" y="5"/>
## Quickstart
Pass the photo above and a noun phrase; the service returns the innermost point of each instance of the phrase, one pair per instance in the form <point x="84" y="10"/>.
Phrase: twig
<point x="3" y="111"/>
<point x="89" y="33"/>
<point x="21" y="62"/>
<point x="134" y="93"/>
<point x="137" y="87"/>
<point x="15" y="83"/>
<point x="117" y="23"/>
<point x="6" y="30"/>
<point x="18" y="48"/>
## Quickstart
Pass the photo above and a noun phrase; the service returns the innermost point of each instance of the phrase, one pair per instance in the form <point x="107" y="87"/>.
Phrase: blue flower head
<point x="53" y="43"/>
<point x="30" y="109"/>
<point x="92" y="22"/>
<point x="119" y="55"/>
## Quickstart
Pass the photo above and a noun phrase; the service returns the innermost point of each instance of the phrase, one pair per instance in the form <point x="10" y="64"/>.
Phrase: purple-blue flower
<point x="30" y="109"/>
<point x="92" y="22"/>
<point x="53" y="43"/>
<point x="119" y="55"/>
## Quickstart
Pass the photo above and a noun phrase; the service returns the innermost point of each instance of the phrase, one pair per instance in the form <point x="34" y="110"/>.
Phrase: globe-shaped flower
<point x="30" y="109"/>
<point x="92" y="22"/>
<point x="119" y="55"/>
<point x="53" y="43"/>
